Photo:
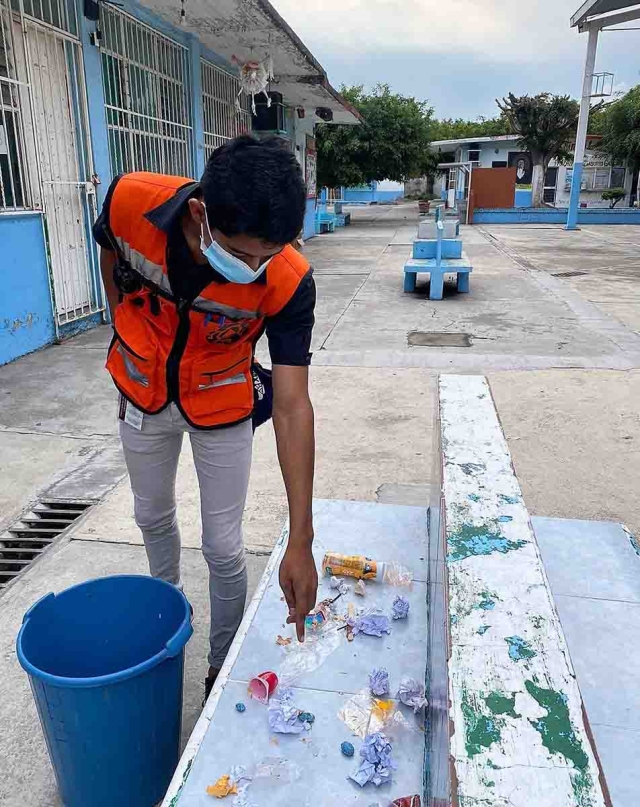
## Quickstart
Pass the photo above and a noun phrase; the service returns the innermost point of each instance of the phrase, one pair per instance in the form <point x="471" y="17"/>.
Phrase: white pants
<point x="223" y="460"/>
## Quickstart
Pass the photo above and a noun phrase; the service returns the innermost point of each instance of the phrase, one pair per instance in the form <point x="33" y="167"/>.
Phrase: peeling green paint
<point x="582" y="785"/>
<point x="483" y="629"/>
<point x="556" y="730"/>
<point x="502" y="704"/>
<point x="473" y="497"/>
<point x="519" y="648"/>
<point x="470" y="540"/>
<point x="488" y="601"/>
<point x="491" y="764"/>
<point x="185" y="776"/>
<point x="508" y="499"/>
<point x="481" y="731"/>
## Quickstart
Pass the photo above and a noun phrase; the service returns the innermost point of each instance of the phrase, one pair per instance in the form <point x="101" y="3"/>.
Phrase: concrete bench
<point x="506" y="709"/>
<point x="427" y="229"/>
<point x="437" y="270"/>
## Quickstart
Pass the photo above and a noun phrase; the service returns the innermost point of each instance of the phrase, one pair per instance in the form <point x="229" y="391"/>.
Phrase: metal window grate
<point x="146" y="86"/>
<point x="222" y="119"/>
<point x="35" y="532"/>
<point x="16" y="183"/>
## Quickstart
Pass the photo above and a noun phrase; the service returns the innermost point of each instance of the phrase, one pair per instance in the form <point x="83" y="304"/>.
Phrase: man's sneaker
<point x="209" y="681"/>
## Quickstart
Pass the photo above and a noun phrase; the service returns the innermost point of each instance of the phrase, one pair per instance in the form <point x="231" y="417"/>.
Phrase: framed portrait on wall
<point x="521" y="161"/>
<point x="311" y="167"/>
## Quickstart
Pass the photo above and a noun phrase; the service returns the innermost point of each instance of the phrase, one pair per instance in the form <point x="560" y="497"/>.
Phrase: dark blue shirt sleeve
<point x="101" y="229"/>
<point x="289" y="331"/>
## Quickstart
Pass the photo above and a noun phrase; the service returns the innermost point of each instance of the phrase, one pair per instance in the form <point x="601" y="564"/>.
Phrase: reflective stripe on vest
<point x="197" y="353"/>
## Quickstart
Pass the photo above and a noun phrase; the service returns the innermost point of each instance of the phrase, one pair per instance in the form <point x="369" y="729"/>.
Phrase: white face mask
<point x="230" y="267"/>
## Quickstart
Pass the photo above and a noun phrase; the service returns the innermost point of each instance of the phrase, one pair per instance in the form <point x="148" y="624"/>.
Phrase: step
<point x="452" y="265"/>
<point x="427" y="248"/>
<point x="427" y="228"/>
<point x="515" y="706"/>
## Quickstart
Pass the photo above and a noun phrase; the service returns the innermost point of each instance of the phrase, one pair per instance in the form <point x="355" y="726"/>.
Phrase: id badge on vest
<point x="129" y="414"/>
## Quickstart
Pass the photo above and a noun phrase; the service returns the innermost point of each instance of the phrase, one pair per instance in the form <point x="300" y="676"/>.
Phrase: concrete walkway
<point x="563" y="358"/>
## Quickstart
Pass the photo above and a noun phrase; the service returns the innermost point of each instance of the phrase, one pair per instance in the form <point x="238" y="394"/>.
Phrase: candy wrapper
<point x="411" y="693"/>
<point x="376" y="762"/>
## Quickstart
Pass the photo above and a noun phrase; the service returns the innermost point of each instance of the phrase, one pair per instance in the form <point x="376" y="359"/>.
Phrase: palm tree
<point x="546" y="124"/>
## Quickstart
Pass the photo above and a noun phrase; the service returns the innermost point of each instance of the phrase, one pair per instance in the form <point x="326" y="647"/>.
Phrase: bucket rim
<point x="173" y="646"/>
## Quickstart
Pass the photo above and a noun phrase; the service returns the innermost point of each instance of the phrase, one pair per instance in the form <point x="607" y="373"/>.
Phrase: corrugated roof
<point x="592" y="8"/>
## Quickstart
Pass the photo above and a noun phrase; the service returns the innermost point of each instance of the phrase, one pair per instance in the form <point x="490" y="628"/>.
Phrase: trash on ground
<point x="303" y="658"/>
<point x="407" y="801"/>
<point x="376" y="762"/>
<point x="400" y="608"/>
<point x="337" y="584"/>
<point x="371" y="624"/>
<point x="282" y="641"/>
<point x="284" y="714"/>
<point x="306" y="717"/>
<point x="282" y="770"/>
<point x="224" y="787"/>
<point x="240" y="707"/>
<point x="379" y="682"/>
<point x="411" y="693"/>
<point x="364" y="714"/>
<point x="397" y="575"/>
<point x="358" y="566"/>
<point x="347" y="749"/>
<point x="262" y="687"/>
<point x="360" y="588"/>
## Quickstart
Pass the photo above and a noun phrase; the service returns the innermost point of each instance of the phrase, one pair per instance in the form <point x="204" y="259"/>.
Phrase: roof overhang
<point x="599" y="9"/>
<point x="451" y="145"/>
<point x="253" y="29"/>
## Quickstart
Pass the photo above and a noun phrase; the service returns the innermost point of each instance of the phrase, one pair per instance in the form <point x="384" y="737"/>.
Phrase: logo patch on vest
<point x="225" y="331"/>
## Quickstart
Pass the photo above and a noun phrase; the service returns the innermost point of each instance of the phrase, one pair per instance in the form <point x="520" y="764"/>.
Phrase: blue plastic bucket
<point x="105" y="661"/>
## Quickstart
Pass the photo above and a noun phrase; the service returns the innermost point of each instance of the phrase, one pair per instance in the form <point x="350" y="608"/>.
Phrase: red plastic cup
<point x="262" y="687"/>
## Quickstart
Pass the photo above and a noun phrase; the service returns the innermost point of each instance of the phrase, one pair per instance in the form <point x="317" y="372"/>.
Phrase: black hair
<point x="255" y="187"/>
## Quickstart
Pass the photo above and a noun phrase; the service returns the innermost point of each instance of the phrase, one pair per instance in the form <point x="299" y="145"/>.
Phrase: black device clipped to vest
<point x="262" y="394"/>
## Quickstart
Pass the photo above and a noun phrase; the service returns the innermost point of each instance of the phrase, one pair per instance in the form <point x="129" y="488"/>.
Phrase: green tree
<point x="619" y="125"/>
<point x="392" y="142"/>
<point x="449" y="129"/>
<point x="546" y="124"/>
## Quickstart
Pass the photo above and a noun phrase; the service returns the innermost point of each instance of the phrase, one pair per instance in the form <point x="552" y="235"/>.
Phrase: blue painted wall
<point x="26" y="315"/>
<point x="367" y="194"/>
<point x="557" y="215"/>
<point x="524" y="198"/>
<point x="309" y="229"/>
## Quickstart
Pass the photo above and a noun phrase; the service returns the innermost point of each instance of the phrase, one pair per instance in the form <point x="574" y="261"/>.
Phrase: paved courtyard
<point x="553" y="319"/>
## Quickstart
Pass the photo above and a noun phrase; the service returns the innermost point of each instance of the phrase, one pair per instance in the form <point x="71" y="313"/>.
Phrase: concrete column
<point x="583" y="123"/>
<point x="98" y="133"/>
<point x="197" y="110"/>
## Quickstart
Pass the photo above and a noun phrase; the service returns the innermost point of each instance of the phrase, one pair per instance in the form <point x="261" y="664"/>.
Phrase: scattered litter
<point x="347" y="749"/>
<point x="376" y="761"/>
<point x="379" y="682"/>
<point x="224" y="787"/>
<point x="303" y="658"/>
<point x="411" y="693"/>
<point x="352" y="566"/>
<point x="240" y="707"/>
<point x="360" y="588"/>
<point x="284" y="771"/>
<point x="356" y="713"/>
<point x="284" y="715"/>
<point x="337" y="584"/>
<point x="400" y="608"/>
<point x="407" y="801"/>
<point x="306" y="717"/>
<point x="263" y="686"/>
<point x="397" y="575"/>
<point x="282" y="641"/>
<point x="371" y="624"/>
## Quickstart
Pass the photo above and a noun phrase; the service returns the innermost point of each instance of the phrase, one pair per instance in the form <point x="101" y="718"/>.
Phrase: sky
<point x="460" y="55"/>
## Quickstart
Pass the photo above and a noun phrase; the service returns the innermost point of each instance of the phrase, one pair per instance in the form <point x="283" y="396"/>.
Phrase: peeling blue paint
<point x="483" y="629"/>
<point x="505" y="519"/>
<point x="474" y="497"/>
<point x="470" y="540"/>
<point x="508" y="499"/>
<point x="519" y="648"/>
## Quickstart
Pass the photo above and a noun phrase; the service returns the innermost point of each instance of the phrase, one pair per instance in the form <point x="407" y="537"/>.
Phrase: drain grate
<point x="33" y="533"/>
<point x="434" y="339"/>
<point x="575" y="273"/>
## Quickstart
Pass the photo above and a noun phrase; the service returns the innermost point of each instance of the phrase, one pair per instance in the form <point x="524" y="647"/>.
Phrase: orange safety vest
<point x="199" y="353"/>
